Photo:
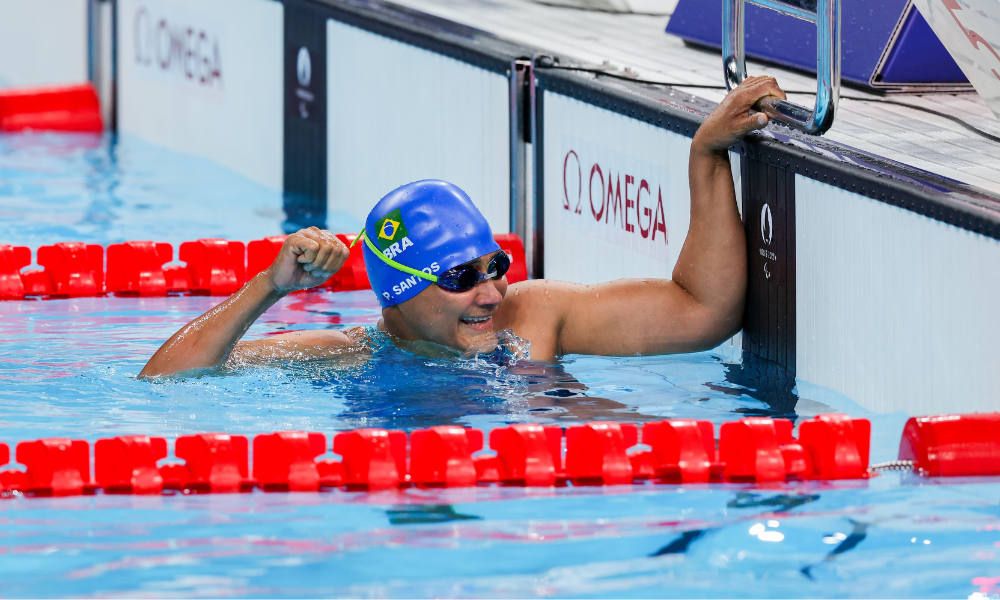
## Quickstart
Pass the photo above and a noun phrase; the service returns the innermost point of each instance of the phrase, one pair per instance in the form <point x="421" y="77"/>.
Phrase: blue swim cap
<point x="430" y="226"/>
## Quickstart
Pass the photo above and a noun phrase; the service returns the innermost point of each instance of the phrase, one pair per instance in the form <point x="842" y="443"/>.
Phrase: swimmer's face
<point x="459" y="320"/>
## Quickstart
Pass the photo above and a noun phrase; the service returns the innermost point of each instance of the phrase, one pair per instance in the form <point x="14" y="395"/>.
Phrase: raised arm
<point x="703" y="304"/>
<point x="307" y="259"/>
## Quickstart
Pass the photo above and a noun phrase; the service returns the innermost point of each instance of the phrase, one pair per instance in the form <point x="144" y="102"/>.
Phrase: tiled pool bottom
<point x="67" y="368"/>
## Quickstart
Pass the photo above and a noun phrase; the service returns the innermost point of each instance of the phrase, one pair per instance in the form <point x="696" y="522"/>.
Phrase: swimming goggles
<point x="458" y="279"/>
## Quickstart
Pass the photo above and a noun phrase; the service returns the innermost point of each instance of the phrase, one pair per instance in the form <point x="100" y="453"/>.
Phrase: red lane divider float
<point x="63" y="108"/>
<point x="71" y="269"/>
<point x="214" y="463"/>
<point x="527" y="454"/>
<point x="953" y="445"/>
<point x="442" y="456"/>
<point x="511" y="244"/>
<point x="596" y="453"/>
<point x="682" y="451"/>
<point x="127" y="464"/>
<point x="372" y="458"/>
<point x="55" y="467"/>
<point x="213" y="267"/>
<point x="261" y="253"/>
<point x="286" y="461"/>
<point x="216" y="267"/>
<point x="136" y="268"/>
<point x="12" y="260"/>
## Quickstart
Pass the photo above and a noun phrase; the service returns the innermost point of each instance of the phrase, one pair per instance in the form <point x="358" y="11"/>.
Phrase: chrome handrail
<point x="827" y="18"/>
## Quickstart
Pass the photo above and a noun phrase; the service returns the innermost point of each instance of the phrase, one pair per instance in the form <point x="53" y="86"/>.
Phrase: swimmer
<point x="439" y="276"/>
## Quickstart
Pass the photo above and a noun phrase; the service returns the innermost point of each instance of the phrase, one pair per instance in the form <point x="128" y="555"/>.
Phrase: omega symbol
<point x="303" y="67"/>
<point x="766" y="226"/>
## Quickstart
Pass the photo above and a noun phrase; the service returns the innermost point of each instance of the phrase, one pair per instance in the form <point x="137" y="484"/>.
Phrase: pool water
<point x="67" y="368"/>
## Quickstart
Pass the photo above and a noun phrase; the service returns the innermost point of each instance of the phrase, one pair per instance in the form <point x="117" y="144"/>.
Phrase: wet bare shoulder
<point x="535" y="310"/>
<point x="530" y="300"/>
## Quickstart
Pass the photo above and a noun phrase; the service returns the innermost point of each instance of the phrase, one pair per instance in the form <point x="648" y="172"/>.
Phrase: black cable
<point x="623" y="77"/>
<point x="952" y="118"/>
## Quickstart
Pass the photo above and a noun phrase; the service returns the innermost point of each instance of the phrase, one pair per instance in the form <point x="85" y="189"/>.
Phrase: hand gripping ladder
<point x="826" y="15"/>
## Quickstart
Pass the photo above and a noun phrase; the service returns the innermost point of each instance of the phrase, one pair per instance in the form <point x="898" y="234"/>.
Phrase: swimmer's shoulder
<point x="535" y="310"/>
<point x="544" y="296"/>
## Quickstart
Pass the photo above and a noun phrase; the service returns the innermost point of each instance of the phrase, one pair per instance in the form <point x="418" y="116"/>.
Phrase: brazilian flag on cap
<point x="389" y="229"/>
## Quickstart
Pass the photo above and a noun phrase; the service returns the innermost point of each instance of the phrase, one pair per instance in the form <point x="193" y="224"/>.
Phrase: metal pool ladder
<point x="826" y="15"/>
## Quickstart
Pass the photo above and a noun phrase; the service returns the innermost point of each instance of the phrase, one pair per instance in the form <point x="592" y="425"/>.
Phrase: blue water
<point x="98" y="189"/>
<point x="67" y="368"/>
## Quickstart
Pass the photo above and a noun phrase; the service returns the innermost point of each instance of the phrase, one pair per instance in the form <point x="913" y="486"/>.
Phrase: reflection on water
<point x="774" y="501"/>
<point x="425" y="513"/>
<point x="859" y="531"/>
<point x="78" y="359"/>
<point x="883" y="540"/>
<point x="397" y="389"/>
<point x="767" y="382"/>
<point x="104" y="189"/>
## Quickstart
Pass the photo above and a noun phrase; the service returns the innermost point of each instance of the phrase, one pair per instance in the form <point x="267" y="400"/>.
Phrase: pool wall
<point x="205" y="78"/>
<point x="868" y="276"/>
<point x="43" y="42"/>
<point x="427" y="115"/>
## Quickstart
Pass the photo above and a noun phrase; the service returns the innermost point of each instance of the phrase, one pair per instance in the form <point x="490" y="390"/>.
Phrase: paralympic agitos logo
<point x="615" y="199"/>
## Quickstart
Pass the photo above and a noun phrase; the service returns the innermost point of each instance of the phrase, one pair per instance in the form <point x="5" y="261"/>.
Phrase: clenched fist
<point x="308" y="258"/>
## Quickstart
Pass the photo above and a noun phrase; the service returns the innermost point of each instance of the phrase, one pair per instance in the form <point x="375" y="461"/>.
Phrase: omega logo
<point x="631" y="212"/>
<point x="181" y="49"/>
<point x="579" y="179"/>
<point x="303" y="67"/>
<point x="766" y="225"/>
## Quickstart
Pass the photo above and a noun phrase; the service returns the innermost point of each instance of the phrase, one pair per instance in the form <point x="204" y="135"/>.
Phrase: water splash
<point x="518" y="347"/>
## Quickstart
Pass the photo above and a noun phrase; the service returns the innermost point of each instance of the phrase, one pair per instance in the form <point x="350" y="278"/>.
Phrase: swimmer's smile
<point x="479" y="324"/>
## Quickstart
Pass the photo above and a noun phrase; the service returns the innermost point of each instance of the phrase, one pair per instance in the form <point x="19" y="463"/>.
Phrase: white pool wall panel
<point x="895" y="310"/>
<point x="586" y="149"/>
<point x="43" y="42"/>
<point x="205" y="78"/>
<point x="398" y="113"/>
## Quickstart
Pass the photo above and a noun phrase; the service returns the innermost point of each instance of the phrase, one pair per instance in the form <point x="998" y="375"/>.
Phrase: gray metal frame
<point x="520" y="132"/>
<point x="827" y="19"/>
